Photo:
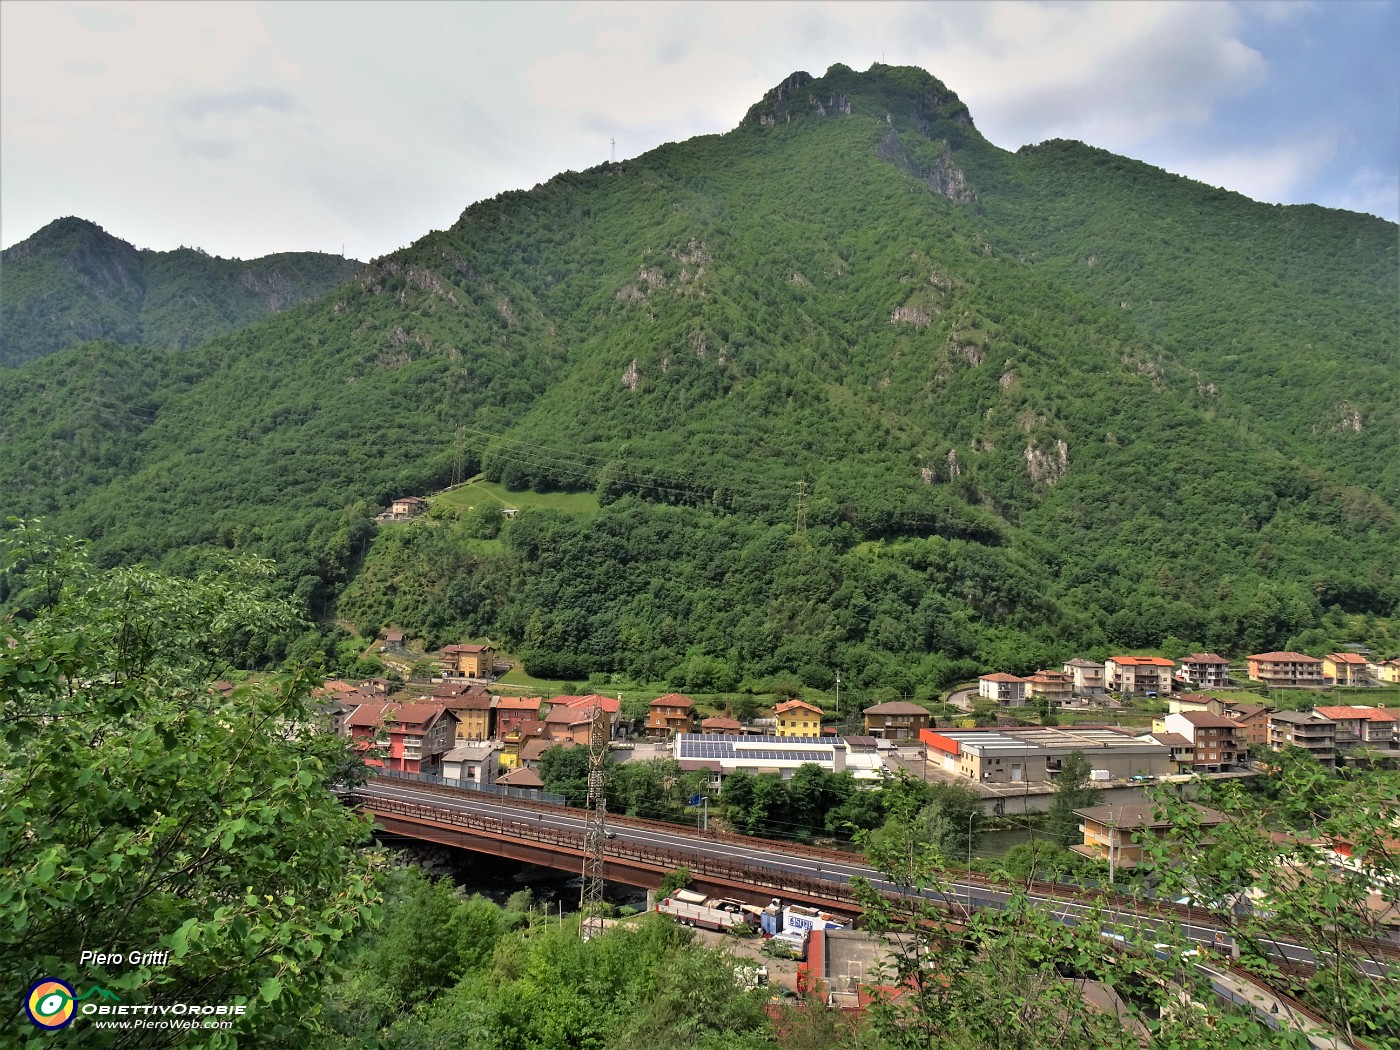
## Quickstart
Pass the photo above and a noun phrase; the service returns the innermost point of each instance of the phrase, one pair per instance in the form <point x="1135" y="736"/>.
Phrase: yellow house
<point x="1388" y="671"/>
<point x="798" y="718"/>
<point x="1345" y="669"/>
<point x="468" y="661"/>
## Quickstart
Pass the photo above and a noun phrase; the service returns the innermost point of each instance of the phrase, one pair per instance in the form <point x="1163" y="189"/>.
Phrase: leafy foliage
<point x="142" y="811"/>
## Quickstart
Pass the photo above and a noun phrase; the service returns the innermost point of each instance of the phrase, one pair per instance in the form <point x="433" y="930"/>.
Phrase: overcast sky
<point x="248" y="128"/>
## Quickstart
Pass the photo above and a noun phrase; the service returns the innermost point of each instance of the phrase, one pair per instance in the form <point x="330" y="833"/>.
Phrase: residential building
<point x="1035" y="754"/>
<point x="896" y="720"/>
<point x="468" y="661"/>
<point x="672" y="713"/>
<point x="404" y="508"/>
<point x="474" y="763"/>
<point x="1206" y="670"/>
<point x="1183" y="752"/>
<point x="1055" y="686"/>
<point x="513" y="742"/>
<point x="473" y="711"/>
<point x="1314" y="733"/>
<point x="513" y="712"/>
<point x="1197" y="702"/>
<point x="520" y="778"/>
<point x="1252" y="721"/>
<point x="1110" y="831"/>
<point x="719" y="726"/>
<point x="533" y="750"/>
<point x="722" y="755"/>
<point x="410" y="738"/>
<point x="1346" y="670"/>
<point x="571" y="717"/>
<point x="1213" y="739"/>
<point x="393" y="640"/>
<point x="1286" y="670"/>
<point x="1372" y="727"/>
<point x="1388" y="671"/>
<point x="797" y="718"/>
<point x="1006" y="689"/>
<point x="1139" y="675"/>
<point x="1088" y="677"/>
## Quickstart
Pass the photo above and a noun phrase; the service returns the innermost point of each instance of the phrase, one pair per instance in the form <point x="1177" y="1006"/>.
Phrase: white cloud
<point x="1277" y="174"/>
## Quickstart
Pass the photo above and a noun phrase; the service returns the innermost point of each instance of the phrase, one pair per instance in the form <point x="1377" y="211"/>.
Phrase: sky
<point x="247" y="128"/>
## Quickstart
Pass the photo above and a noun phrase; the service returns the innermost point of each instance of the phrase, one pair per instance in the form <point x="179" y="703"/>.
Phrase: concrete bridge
<point x="641" y="852"/>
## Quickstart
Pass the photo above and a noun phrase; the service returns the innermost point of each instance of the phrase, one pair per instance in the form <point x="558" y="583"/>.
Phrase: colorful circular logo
<point x="50" y="1003"/>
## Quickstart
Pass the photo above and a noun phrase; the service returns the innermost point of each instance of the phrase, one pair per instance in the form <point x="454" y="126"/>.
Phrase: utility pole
<point x="595" y="839"/>
<point x="839" y="713"/>
<point x="459" y="459"/>
<point x="612" y="155"/>
<point x="802" y="506"/>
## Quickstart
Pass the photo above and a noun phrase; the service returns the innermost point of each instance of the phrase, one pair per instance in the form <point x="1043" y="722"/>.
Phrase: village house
<point x="1213" y="739"/>
<point x="1118" y="834"/>
<point x="896" y="720"/>
<point x="408" y="738"/>
<point x="798" y="718"/>
<point x="1252" y="721"/>
<point x="1139" y="675"/>
<point x="672" y="713"/>
<point x="521" y="778"/>
<point x="404" y="508"/>
<point x="474" y="763"/>
<point x="513" y="711"/>
<point x="1088" y="676"/>
<point x="1206" y="670"/>
<point x="393" y="640"/>
<point x="1364" y="727"/>
<point x="571" y="717"/>
<point x="1387" y="671"/>
<point x="533" y="750"/>
<point x="1006" y="689"/>
<point x="513" y="742"/>
<point x="1057" y="687"/>
<point x="1183" y="752"/>
<point x="1286" y="670"/>
<point x="473" y="711"/>
<point x="468" y="661"/>
<point x="1314" y="733"/>
<point x="720" y="726"/>
<point x="1346" y="670"/>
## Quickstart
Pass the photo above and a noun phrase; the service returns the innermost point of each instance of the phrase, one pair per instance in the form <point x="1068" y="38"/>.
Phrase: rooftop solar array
<point x="695" y="746"/>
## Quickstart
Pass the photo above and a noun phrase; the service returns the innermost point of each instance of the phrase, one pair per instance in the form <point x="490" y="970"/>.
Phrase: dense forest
<point x="854" y="389"/>
<point x="72" y="282"/>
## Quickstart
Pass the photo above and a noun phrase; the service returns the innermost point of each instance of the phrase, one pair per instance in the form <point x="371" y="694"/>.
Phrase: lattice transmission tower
<point x="595" y="839"/>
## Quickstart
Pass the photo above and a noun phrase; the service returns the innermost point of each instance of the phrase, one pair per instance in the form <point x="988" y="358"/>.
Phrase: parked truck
<point x="709" y="915"/>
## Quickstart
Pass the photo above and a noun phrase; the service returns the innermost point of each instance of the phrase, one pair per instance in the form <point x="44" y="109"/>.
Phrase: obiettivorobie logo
<point x="51" y="1003"/>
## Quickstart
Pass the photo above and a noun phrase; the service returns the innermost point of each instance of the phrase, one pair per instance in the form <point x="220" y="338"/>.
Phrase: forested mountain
<point x="72" y="282"/>
<point x="1034" y="403"/>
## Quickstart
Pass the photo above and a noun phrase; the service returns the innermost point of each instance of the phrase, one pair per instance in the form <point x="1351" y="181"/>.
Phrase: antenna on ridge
<point x="612" y="155"/>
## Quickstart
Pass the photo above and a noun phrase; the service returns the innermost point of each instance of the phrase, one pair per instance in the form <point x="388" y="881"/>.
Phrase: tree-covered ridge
<point x="72" y="282"/>
<point x="858" y="306"/>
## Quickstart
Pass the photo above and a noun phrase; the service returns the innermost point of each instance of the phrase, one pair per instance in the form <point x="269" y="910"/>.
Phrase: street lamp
<point x="969" y="838"/>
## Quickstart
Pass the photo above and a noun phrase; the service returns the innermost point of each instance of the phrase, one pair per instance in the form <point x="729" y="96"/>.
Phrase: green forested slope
<point x="1036" y="402"/>
<point x="72" y="281"/>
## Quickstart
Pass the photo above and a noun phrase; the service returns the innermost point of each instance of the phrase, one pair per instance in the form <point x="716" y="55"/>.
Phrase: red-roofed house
<point x="1055" y="686"/>
<point x="415" y="736"/>
<point x="798" y="718"/>
<point x="1368" y="726"/>
<point x="1286" y="670"/>
<point x="1139" y="675"/>
<point x="1346" y="669"/>
<point x="719" y="726"/>
<point x="672" y="713"/>
<point x="468" y="661"/>
<point x="514" y="711"/>
<point x="1206" y="670"/>
<point x="1006" y="689"/>
<point x="571" y="717"/>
